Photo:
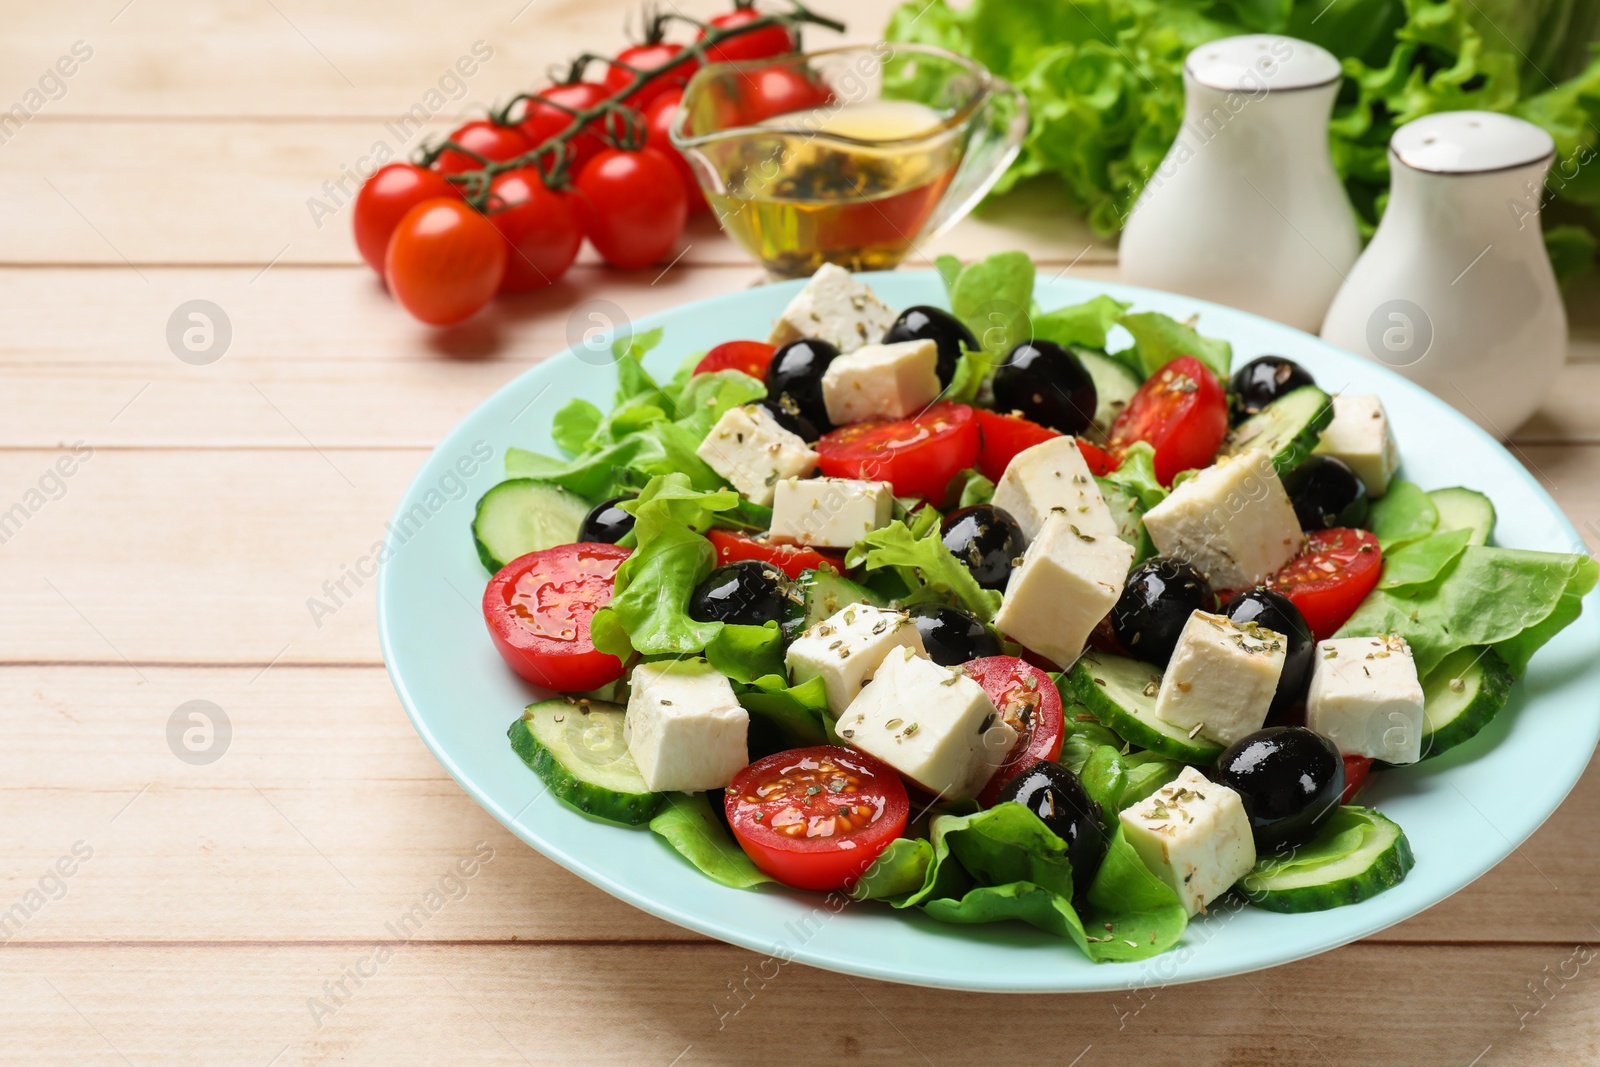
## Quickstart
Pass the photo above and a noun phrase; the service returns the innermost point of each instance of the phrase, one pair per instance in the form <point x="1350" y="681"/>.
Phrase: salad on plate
<point x="999" y="612"/>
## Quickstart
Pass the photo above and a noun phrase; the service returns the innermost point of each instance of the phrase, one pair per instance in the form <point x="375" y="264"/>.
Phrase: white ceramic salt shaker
<point x="1456" y="291"/>
<point x="1246" y="208"/>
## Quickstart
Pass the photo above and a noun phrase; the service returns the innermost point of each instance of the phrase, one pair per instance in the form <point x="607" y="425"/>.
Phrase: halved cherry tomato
<point x="541" y="231"/>
<point x="550" y="112"/>
<point x="1099" y="460"/>
<point x="1027" y="699"/>
<point x="498" y="143"/>
<point x="779" y="90"/>
<point x="658" y="135"/>
<point x="751" y="357"/>
<point x="1001" y="437"/>
<point x="764" y="43"/>
<point x="445" y="261"/>
<point x="1181" y="411"/>
<point x="538" y="609"/>
<point x="642" y="57"/>
<point x="384" y="200"/>
<point x="917" y="456"/>
<point x="632" y="206"/>
<point x="1356" y="769"/>
<point x="1330" y="577"/>
<point x="816" y="818"/>
<point x="791" y="559"/>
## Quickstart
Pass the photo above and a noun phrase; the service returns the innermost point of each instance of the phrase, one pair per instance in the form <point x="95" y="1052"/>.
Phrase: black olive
<point x="985" y="538"/>
<point x="952" y="636"/>
<point x="1325" y="493"/>
<point x="606" y="523"/>
<point x="1263" y="380"/>
<point x="1157" y="599"/>
<point x="922" y="323"/>
<point x="1276" y="612"/>
<point x="1048" y="384"/>
<point x="786" y="413"/>
<point x="1290" y="780"/>
<point x="794" y="379"/>
<point x="1056" y="795"/>
<point x="747" y="592"/>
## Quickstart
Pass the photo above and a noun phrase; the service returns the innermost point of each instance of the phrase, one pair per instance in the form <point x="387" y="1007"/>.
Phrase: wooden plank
<point x="495" y="1004"/>
<point x="324" y="801"/>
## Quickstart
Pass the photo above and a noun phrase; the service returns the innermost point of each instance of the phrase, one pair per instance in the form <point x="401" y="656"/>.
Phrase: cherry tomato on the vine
<point x="632" y="206"/>
<point x="764" y="43"/>
<point x="542" y="233"/>
<point x="778" y="91"/>
<point x="658" y="135"/>
<point x="492" y="142"/>
<point x="550" y="112"/>
<point x="643" y="57"/>
<point x="445" y="261"/>
<point x="384" y="200"/>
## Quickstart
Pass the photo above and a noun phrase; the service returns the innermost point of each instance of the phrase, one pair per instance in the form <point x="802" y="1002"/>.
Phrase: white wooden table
<point x="229" y="912"/>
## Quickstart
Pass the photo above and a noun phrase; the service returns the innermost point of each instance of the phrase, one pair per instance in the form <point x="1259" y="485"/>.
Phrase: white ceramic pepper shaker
<point x="1456" y="291"/>
<point x="1246" y="208"/>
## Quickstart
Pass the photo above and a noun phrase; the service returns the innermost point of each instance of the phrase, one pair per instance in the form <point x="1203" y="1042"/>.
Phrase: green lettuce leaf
<point x="925" y="561"/>
<point x="1159" y="339"/>
<point x="745" y="653"/>
<point x="1404" y="514"/>
<point x="1083" y="324"/>
<point x="575" y="424"/>
<point x="1420" y="562"/>
<point x="898" y="871"/>
<point x="797" y="715"/>
<point x="686" y="823"/>
<point x="992" y="297"/>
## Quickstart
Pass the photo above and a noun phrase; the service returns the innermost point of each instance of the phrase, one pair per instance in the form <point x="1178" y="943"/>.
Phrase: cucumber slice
<point x="523" y="515"/>
<point x="1357" y="854"/>
<point x="1464" y="509"/>
<point x="1286" y="429"/>
<point x="579" y="751"/>
<point x="1114" y="385"/>
<point x="1460" y="696"/>
<point x="826" y="593"/>
<point x="1121" y="693"/>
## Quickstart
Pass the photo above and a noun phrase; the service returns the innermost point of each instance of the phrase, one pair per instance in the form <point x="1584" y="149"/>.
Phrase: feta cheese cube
<point x="748" y="447"/>
<point x="1232" y="520"/>
<point x="1051" y="475"/>
<point x="1365" y="697"/>
<point x="1221" y="678"/>
<point x="835" y="308"/>
<point x="934" y="725"/>
<point x="829" y="512"/>
<point x="1067" y="582"/>
<point x="684" y="727"/>
<point x="846" y="648"/>
<point x="1194" y="835"/>
<point x="1359" y="434"/>
<point x="881" y="381"/>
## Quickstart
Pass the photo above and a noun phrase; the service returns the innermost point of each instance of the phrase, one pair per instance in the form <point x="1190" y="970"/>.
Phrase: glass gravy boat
<point x="879" y="147"/>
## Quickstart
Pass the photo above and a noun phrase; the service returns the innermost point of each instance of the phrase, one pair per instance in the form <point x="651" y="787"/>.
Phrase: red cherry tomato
<point x="550" y="112"/>
<point x="632" y="206"/>
<point x="384" y="200"/>
<point x="1330" y="577"/>
<point x="1356" y="769"/>
<point x="497" y="143"/>
<point x="1181" y="411"/>
<point x="658" y="135"/>
<point x="1001" y="437"/>
<point x="1099" y="460"/>
<point x="538" y="609"/>
<point x="816" y="818"/>
<point x="791" y="559"/>
<point x="917" y="456"/>
<point x="643" y="57"/>
<point x="542" y="234"/>
<point x="779" y="90"/>
<point x="445" y="261"/>
<point x="1026" y="698"/>
<point x="764" y="43"/>
<point x="751" y="357"/>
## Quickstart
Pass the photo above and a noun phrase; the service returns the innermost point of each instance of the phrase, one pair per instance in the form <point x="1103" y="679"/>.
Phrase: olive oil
<point x="849" y="184"/>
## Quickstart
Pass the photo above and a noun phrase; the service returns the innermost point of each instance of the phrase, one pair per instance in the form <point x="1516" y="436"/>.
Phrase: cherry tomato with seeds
<point x="643" y="57"/>
<point x="765" y="43"/>
<point x="751" y="357"/>
<point x="1330" y="577"/>
<point x="493" y="142"/>
<point x="917" y="456"/>
<point x="658" y="135"/>
<point x="550" y="112"/>
<point x="632" y="206"/>
<point x="542" y="233"/>
<point x="790" y="559"/>
<point x="1028" y="701"/>
<point x="816" y="818"/>
<point x="445" y="261"/>
<point x="384" y="200"/>
<point x="1181" y="411"/>
<point x="538" y="609"/>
